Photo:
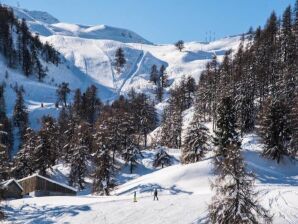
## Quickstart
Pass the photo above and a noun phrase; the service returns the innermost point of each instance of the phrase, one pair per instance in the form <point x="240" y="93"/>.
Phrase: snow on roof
<point x="50" y="180"/>
<point x="8" y="182"/>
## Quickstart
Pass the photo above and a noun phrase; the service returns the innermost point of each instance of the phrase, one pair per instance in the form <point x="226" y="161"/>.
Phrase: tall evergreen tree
<point x="195" y="144"/>
<point x="6" y="139"/>
<point x="103" y="160"/>
<point x="20" y="114"/>
<point x="276" y="130"/>
<point x="46" y="149"/>
<point x="154" y="76"/>
<point x="180" y="45"/>
<point x="119" y="59"/>
<point x="62" y="92"/>
<point x="24" y="162"/>
<point x="80" y="145"/>
<point x="235" y="199"/>
<point x="162" y="158"/>
<point x="226" y="136"/>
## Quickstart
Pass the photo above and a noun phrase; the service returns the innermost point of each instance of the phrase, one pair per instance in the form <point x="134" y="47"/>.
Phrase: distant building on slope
<point x="11" y="189"/>
<point x="37" y="185"/>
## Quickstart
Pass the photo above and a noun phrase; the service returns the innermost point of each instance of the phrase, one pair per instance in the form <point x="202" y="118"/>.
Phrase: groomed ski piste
<point x="184" y="190"/>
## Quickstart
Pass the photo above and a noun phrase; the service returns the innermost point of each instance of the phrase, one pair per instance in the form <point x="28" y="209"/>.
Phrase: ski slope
<point x="184" y="194"/>
<point x="88" y="57"/>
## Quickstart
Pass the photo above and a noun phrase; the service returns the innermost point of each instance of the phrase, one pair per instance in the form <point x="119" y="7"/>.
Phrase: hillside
<point x="88" y="58"/>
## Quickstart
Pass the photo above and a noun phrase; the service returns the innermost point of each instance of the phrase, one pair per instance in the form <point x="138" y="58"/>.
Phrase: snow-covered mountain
<point x="88" y="53"/>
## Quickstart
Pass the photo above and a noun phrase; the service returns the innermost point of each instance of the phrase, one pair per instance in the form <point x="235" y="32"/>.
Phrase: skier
<point x="155" y="194"/>
<point x="135" y="196"/>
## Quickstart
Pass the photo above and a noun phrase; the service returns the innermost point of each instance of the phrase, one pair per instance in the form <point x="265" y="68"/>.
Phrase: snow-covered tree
<point x="235" y="200"/>
<point x="130" y="153"/>
<point x="275" y="129"/>
<point x="163" y="77"/>
<point x="171" y="128"/>
<point x="4" y="157"/>
<point x="6" y="126"/>
<point x="154" y="76"/>
<point x="62" y="93"/>
<point x="103" y="160"/>
<point x="162" y="158"/>
<point x="119" y="59"/>
<point x="195" y="144"/>
<point x="80" y="148"/>
<point x="46" y="149"/>
<point x="144" y="115"/>
<point x="20" y="114"/>
<point x="226" y="134"/>
<point x="24" y="162"/>
<point x="179" y="45"/>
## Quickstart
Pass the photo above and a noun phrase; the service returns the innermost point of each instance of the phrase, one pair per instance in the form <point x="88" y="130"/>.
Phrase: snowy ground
<point x="184" y="194"/>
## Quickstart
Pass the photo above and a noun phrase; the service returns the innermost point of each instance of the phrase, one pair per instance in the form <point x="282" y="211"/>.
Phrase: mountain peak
<point x="34" y="15"/>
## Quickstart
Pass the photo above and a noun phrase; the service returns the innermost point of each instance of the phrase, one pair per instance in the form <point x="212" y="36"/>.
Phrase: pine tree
<point x="179" y="45"/>
<point x="46" y="149"/>
<point x="226" y="136"/>
<point x="62" y="92"/>
<point x="91" y="105"/>
<point x="4" y="157"/>
<point x="195" y="144"/>
<point x="24" y="162"/>
<point x="103" y="160"/>
<point x="154" y="76"/>
<point x="130" y="153"/>
<point x="294" y="127"/>
<point x="171" y="129"/>
<point x="77" y="105"/>
<point x="235" y="200"/>
<point x="162" y="158"/>
<point x="119" y="59"/>
<point x="163" y="77"/>
<point x="275" y="129"/>
<point x="4" y="166"/>
<point x="20" y="114"/>
<point x="289" y="55"/>
<point x="66" y="125"/>
<point x="6" y="139"/>
<point x="190" y="86"/>
<point x="159" y="93"/>
<point x="145" y="118"/>
<point x="80" y="145"/>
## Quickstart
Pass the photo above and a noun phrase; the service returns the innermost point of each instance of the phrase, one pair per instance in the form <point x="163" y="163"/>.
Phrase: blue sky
<point x="164" y="21"/>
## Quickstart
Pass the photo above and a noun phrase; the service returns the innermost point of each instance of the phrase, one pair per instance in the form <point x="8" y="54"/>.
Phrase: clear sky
<point x="164" y="21"/>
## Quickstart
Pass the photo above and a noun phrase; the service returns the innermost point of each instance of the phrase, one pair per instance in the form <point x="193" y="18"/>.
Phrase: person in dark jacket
<point x="155" y="194"/>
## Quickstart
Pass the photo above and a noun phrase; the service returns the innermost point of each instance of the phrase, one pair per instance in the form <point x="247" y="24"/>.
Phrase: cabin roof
<point x="6" y="183"/>
<point x="50" y="180"/>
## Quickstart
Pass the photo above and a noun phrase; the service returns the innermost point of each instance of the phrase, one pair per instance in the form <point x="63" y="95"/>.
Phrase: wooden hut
<point x="37" y="185"/>
<point x="11" y="189"/>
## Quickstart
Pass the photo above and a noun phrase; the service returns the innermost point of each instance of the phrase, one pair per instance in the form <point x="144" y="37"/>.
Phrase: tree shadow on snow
<point x="269" y="171"/>
<point x="143" y="188"/>
<point x="32" y="214"/>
